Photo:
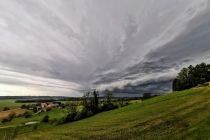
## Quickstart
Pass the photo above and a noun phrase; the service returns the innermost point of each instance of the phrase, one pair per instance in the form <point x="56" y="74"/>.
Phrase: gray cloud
<point x="64" y="47"/>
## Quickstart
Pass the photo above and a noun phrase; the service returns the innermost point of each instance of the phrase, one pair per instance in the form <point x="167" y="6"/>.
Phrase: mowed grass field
<point x="178" y="115"/>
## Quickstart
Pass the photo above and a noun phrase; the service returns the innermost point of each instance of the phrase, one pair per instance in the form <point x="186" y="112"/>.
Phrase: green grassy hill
<point x="179" y="115"/>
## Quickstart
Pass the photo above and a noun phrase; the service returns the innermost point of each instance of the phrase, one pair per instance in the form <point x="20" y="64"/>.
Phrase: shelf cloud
<point x="53" y="47"/>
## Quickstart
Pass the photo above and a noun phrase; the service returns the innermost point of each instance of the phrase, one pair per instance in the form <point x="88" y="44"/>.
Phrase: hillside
<point x="184" y="115"/>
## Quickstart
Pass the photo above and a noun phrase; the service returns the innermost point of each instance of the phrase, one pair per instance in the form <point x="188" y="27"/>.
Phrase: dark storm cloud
<point x="64" y="47"/>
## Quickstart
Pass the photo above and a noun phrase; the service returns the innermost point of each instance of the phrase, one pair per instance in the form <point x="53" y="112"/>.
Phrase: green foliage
<point x="27" y="114"/>
<point x="94" y="102"/>
<point x="147" y="95"/>
<point x="72" y="112"/>
<point x="108" y="97"/>
<point x="122" y="102"/>
<point x="23" y="106"/>
<point x="108" y="106"/>
<point x="35" y="126"/>
<point x="45" y="119"/>
<point x="90" y="101"/>
<point x="191" y="77"/>
<point x="6" y="108"/>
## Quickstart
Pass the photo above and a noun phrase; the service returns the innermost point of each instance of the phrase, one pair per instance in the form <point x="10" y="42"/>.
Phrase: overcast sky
<point x="63" y="47"/>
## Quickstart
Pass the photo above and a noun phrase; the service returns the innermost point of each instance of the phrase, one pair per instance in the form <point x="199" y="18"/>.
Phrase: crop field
<point x="17" y="112"/>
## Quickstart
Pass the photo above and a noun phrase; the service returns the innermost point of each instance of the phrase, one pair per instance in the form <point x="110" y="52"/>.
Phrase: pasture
<point x="178" y="115"/>
<point x="9" y="103"/>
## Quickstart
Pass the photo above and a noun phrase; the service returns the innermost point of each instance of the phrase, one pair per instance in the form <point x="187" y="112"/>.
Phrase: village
<point x="47" y="106"/>
<point x="43" y="106"/>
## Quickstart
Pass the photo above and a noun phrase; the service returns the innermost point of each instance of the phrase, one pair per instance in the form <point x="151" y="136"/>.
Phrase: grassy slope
<point x="181" y="115"/>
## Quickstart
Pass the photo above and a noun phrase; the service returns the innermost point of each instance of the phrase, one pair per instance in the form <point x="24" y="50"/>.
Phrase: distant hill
<point x="178" y="115"/>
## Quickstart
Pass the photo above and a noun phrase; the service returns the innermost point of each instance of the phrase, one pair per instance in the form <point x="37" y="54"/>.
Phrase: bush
<point x="23" y="106"/>
<point x="27" y="114"/>
<point x="6" y="108"/>
<point x="35" y="126"/>
<point x="89" y="113"/>
<point x="79" y="116"/>
<point x="70" y="117"/>
<point x="123" y="103"/>
<point x="108" y="106"/>
<point x="83" y="114"/>
<point x="53" y="121"/>
<point x="147" y="95"/>
<point x="45" y="119"/>
<point x="60" y="121"/>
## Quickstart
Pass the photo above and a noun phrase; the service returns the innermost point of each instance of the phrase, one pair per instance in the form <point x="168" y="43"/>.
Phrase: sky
<point x="65" y="48"/>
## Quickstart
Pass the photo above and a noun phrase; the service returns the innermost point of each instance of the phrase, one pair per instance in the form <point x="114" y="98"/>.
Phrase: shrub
<point x="122" y="103"/>
<point x="23" y="106"/>
<point x="27" y="114"/>
<point x="72" y="108"/>
<point x="35" y="126"/>
<point x="89" y="113"/>
<point x="45" y="119"/>
<point x="108" y="106"/>
<point x="147" y="95"/>
<point x="70" y="117"/>
<point x="78" y="116"/>
<point x="6" y="108"/>
<point x="53" y="121"/>
<point x="60" y="121"/>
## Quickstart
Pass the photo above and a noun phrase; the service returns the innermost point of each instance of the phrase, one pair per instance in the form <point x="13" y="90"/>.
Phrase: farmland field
<point x="9" y="103"/>
<point x="4" y="114"/>
<point x="179" y="115"/>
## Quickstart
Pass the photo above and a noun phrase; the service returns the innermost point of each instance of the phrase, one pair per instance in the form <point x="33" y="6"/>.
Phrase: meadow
<point x="178" y="115"/>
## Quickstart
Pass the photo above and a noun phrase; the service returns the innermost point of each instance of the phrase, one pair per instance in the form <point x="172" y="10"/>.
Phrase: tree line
<point x="192" y="76"/>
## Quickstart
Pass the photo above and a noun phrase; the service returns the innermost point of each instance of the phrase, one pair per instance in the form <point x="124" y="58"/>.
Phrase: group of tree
<point x="89" y="105"/>
<point x="192" y="76"/>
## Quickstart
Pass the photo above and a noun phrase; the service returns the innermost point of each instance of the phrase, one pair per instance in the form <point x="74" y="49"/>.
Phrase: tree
<point x="95" y="101"/>
<point x="192" y="76"/>
<point x="72" y="112"/>
<point x="109" y="97"/>
<point x="147" y="95"/>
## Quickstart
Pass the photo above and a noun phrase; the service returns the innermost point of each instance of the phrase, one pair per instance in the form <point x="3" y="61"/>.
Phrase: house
<point x="46" y="106"/>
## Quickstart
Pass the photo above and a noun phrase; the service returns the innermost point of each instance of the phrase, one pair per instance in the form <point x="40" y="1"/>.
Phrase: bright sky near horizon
<point x="54" y="47"/>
